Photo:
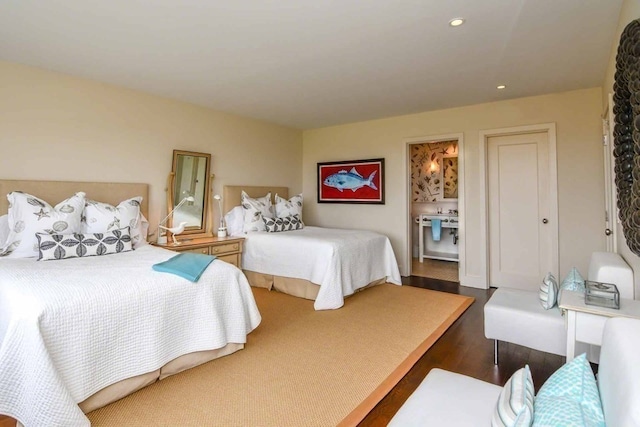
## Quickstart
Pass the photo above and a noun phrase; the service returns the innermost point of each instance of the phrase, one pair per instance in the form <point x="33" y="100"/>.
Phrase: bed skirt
<point x="125" y="387"/>
<point x="297" y="287"/>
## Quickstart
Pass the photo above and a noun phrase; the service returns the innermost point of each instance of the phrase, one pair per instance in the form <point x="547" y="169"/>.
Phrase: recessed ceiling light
<point x="456" y="22"/>
<point x="501" y="87"/>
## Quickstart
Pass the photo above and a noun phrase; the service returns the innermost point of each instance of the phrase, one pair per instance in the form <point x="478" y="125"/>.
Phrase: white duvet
<point x="69" y="328"/>
<point x="340" y="261"/>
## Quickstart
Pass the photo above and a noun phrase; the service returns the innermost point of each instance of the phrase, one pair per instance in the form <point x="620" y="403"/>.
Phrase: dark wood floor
<point x="464" y="349"/>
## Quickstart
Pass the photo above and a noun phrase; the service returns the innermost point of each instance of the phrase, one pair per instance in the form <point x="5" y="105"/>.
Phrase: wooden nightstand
<point x="227" y="249"/>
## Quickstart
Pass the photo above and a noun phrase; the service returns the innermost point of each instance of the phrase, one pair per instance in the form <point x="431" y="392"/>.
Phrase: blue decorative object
<point x="187" y="265"/>
<point x="573" y="281"/>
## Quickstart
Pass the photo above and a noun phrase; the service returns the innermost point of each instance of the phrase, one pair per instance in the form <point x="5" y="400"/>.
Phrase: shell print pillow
<point x="29" y="215"/>
<point x="286" y="208"/>
<point x="254" y="211"/>
<point x="101" y="217"/>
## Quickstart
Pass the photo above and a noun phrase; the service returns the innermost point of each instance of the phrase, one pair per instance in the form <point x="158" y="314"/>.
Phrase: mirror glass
<point x="190" y="186"/>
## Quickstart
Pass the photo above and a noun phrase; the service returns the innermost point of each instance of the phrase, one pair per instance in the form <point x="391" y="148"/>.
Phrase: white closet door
<point x="520" y="238"/>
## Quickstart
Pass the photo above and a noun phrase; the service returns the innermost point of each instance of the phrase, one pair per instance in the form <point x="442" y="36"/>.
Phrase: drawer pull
<point x="204" y="251"/>
<point x="216" y="250"/>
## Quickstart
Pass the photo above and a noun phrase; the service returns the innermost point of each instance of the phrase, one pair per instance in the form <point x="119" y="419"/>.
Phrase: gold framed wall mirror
<point x="188" y="194"/>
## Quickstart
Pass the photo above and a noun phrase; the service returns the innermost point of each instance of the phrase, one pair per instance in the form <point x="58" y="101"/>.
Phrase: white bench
<point x="516" y="316"/>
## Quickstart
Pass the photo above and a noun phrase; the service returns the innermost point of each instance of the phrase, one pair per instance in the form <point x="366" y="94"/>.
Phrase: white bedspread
<point x="72" y="327"/>
<point x="340" y="261"/>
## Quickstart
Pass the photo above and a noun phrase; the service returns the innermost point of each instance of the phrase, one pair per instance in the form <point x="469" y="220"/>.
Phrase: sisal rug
<point x="300" y="367"/>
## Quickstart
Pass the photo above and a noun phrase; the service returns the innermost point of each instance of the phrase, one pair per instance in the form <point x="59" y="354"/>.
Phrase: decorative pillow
<point x="285" y="208"/>
<point x="548" y="292"/>
<point x="573" y="282"/>
<point x="29" y="215"/>
<point x="569" y="397"/>
<point x="235" y="221"/>
<point x="4" y="229"/>
<point x="287" y="223"/>
<point x="61" y="246"/>
<point x="102" y="217"/>
<point x="254" y="211"/>
<point x="515" y="403"/>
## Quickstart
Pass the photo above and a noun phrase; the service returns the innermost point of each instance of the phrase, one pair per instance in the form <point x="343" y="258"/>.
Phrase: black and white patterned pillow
<point x="61" y="246"/>
<point x="288" y="223"/>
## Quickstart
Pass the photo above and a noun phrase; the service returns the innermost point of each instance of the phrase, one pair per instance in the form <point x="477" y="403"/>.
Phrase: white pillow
<point x="515" y="403"/>
<point x="29" y="215"/>
<point x="548" y="293"/>
<point x="144" y="232"/>
<point x="101" y="217"/>
<point x="4" y="229"/>
<point x="254" y="211"/>
<point x="291" y="207"/>
<point x="235" y="221"/>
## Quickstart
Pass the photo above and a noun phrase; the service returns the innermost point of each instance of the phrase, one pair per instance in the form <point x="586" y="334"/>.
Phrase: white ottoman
<point x="516" y="316"/>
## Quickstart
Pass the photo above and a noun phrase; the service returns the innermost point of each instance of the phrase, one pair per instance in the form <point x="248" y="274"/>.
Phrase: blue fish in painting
<point x="351" y="180"/>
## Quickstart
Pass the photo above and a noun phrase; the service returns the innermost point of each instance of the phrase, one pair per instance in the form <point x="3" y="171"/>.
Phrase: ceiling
<point x="315" y="63"/>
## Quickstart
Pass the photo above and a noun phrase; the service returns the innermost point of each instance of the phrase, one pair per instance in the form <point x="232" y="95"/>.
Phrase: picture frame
<point x="351" y="181"/>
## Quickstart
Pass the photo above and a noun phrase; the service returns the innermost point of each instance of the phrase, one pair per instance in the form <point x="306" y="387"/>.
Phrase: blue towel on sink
<point x="436" y="228"/>
<point x="188" y="265"/>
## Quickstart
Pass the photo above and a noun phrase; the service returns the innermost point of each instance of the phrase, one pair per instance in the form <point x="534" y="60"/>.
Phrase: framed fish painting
<point x="352" y="181"/>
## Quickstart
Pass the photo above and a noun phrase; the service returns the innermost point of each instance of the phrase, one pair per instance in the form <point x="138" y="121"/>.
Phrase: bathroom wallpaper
<point x="434" y="171"/>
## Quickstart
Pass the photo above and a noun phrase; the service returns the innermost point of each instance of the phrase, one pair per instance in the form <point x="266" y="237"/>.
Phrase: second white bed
<point x="339" y="261"/>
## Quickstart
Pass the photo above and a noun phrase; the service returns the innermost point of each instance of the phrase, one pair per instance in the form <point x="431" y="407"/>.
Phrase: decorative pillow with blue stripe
<point x="515" y="403"/>
<point x="548" y="293"/>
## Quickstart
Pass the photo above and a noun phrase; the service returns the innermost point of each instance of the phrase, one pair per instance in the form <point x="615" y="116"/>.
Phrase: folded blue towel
<point x="436" y="226"/>
<point x="188" y="265"/>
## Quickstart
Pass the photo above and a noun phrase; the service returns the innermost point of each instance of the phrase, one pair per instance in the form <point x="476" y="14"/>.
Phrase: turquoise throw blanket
<point x="188" y="265"/>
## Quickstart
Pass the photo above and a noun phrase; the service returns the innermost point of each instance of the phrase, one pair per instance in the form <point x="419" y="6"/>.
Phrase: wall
<point x="580" y="169"/>
<point x="630" y="11"/>
<point x="57" y="127"/>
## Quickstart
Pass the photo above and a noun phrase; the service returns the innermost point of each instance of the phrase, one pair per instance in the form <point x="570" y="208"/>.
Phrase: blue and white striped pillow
<point x="515" y="403"/>
<point x="548" y="292"/>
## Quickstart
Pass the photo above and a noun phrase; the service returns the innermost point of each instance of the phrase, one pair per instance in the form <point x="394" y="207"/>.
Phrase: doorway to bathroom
<point x="435" y="198"/>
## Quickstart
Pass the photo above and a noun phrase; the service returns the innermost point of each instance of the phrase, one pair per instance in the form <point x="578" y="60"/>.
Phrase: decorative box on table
<point x="601" y="294"/>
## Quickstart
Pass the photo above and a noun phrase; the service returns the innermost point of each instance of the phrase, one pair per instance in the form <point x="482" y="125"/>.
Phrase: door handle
<point x="607" y="232"/>
<point x="545" y="220"/>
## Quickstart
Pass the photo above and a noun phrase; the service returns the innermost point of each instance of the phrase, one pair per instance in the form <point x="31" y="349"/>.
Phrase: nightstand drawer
<point x="231" y="259"/>
<point x="223" y="249"/>
<point x="198" y="251"/>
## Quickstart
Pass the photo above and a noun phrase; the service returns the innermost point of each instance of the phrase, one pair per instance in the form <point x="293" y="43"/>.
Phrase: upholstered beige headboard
<point x="54" y="192"/>
<point x="232" y="194"/>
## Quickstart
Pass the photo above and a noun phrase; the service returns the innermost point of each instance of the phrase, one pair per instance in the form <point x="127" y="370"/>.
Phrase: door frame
<point x="461" y="195"/>
<point x="550" y="129"/>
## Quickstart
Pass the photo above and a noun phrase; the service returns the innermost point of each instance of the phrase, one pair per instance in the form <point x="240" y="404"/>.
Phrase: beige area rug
<point x="300" y="367"/>
<point x="435" y="269"/>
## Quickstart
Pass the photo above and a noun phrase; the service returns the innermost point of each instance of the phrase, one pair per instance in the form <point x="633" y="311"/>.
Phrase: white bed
<point x="105" y="326"/>
<point x="322" y="264"/>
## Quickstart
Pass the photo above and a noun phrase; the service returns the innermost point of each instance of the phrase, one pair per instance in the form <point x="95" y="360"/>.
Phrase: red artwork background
<point x="364" y="194"/>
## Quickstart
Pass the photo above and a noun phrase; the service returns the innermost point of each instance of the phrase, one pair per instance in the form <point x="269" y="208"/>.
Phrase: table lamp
<point x="222" y="229"/>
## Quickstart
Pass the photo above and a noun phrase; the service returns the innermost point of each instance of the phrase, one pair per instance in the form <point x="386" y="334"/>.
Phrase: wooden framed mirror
<point x="188" y="192"/>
